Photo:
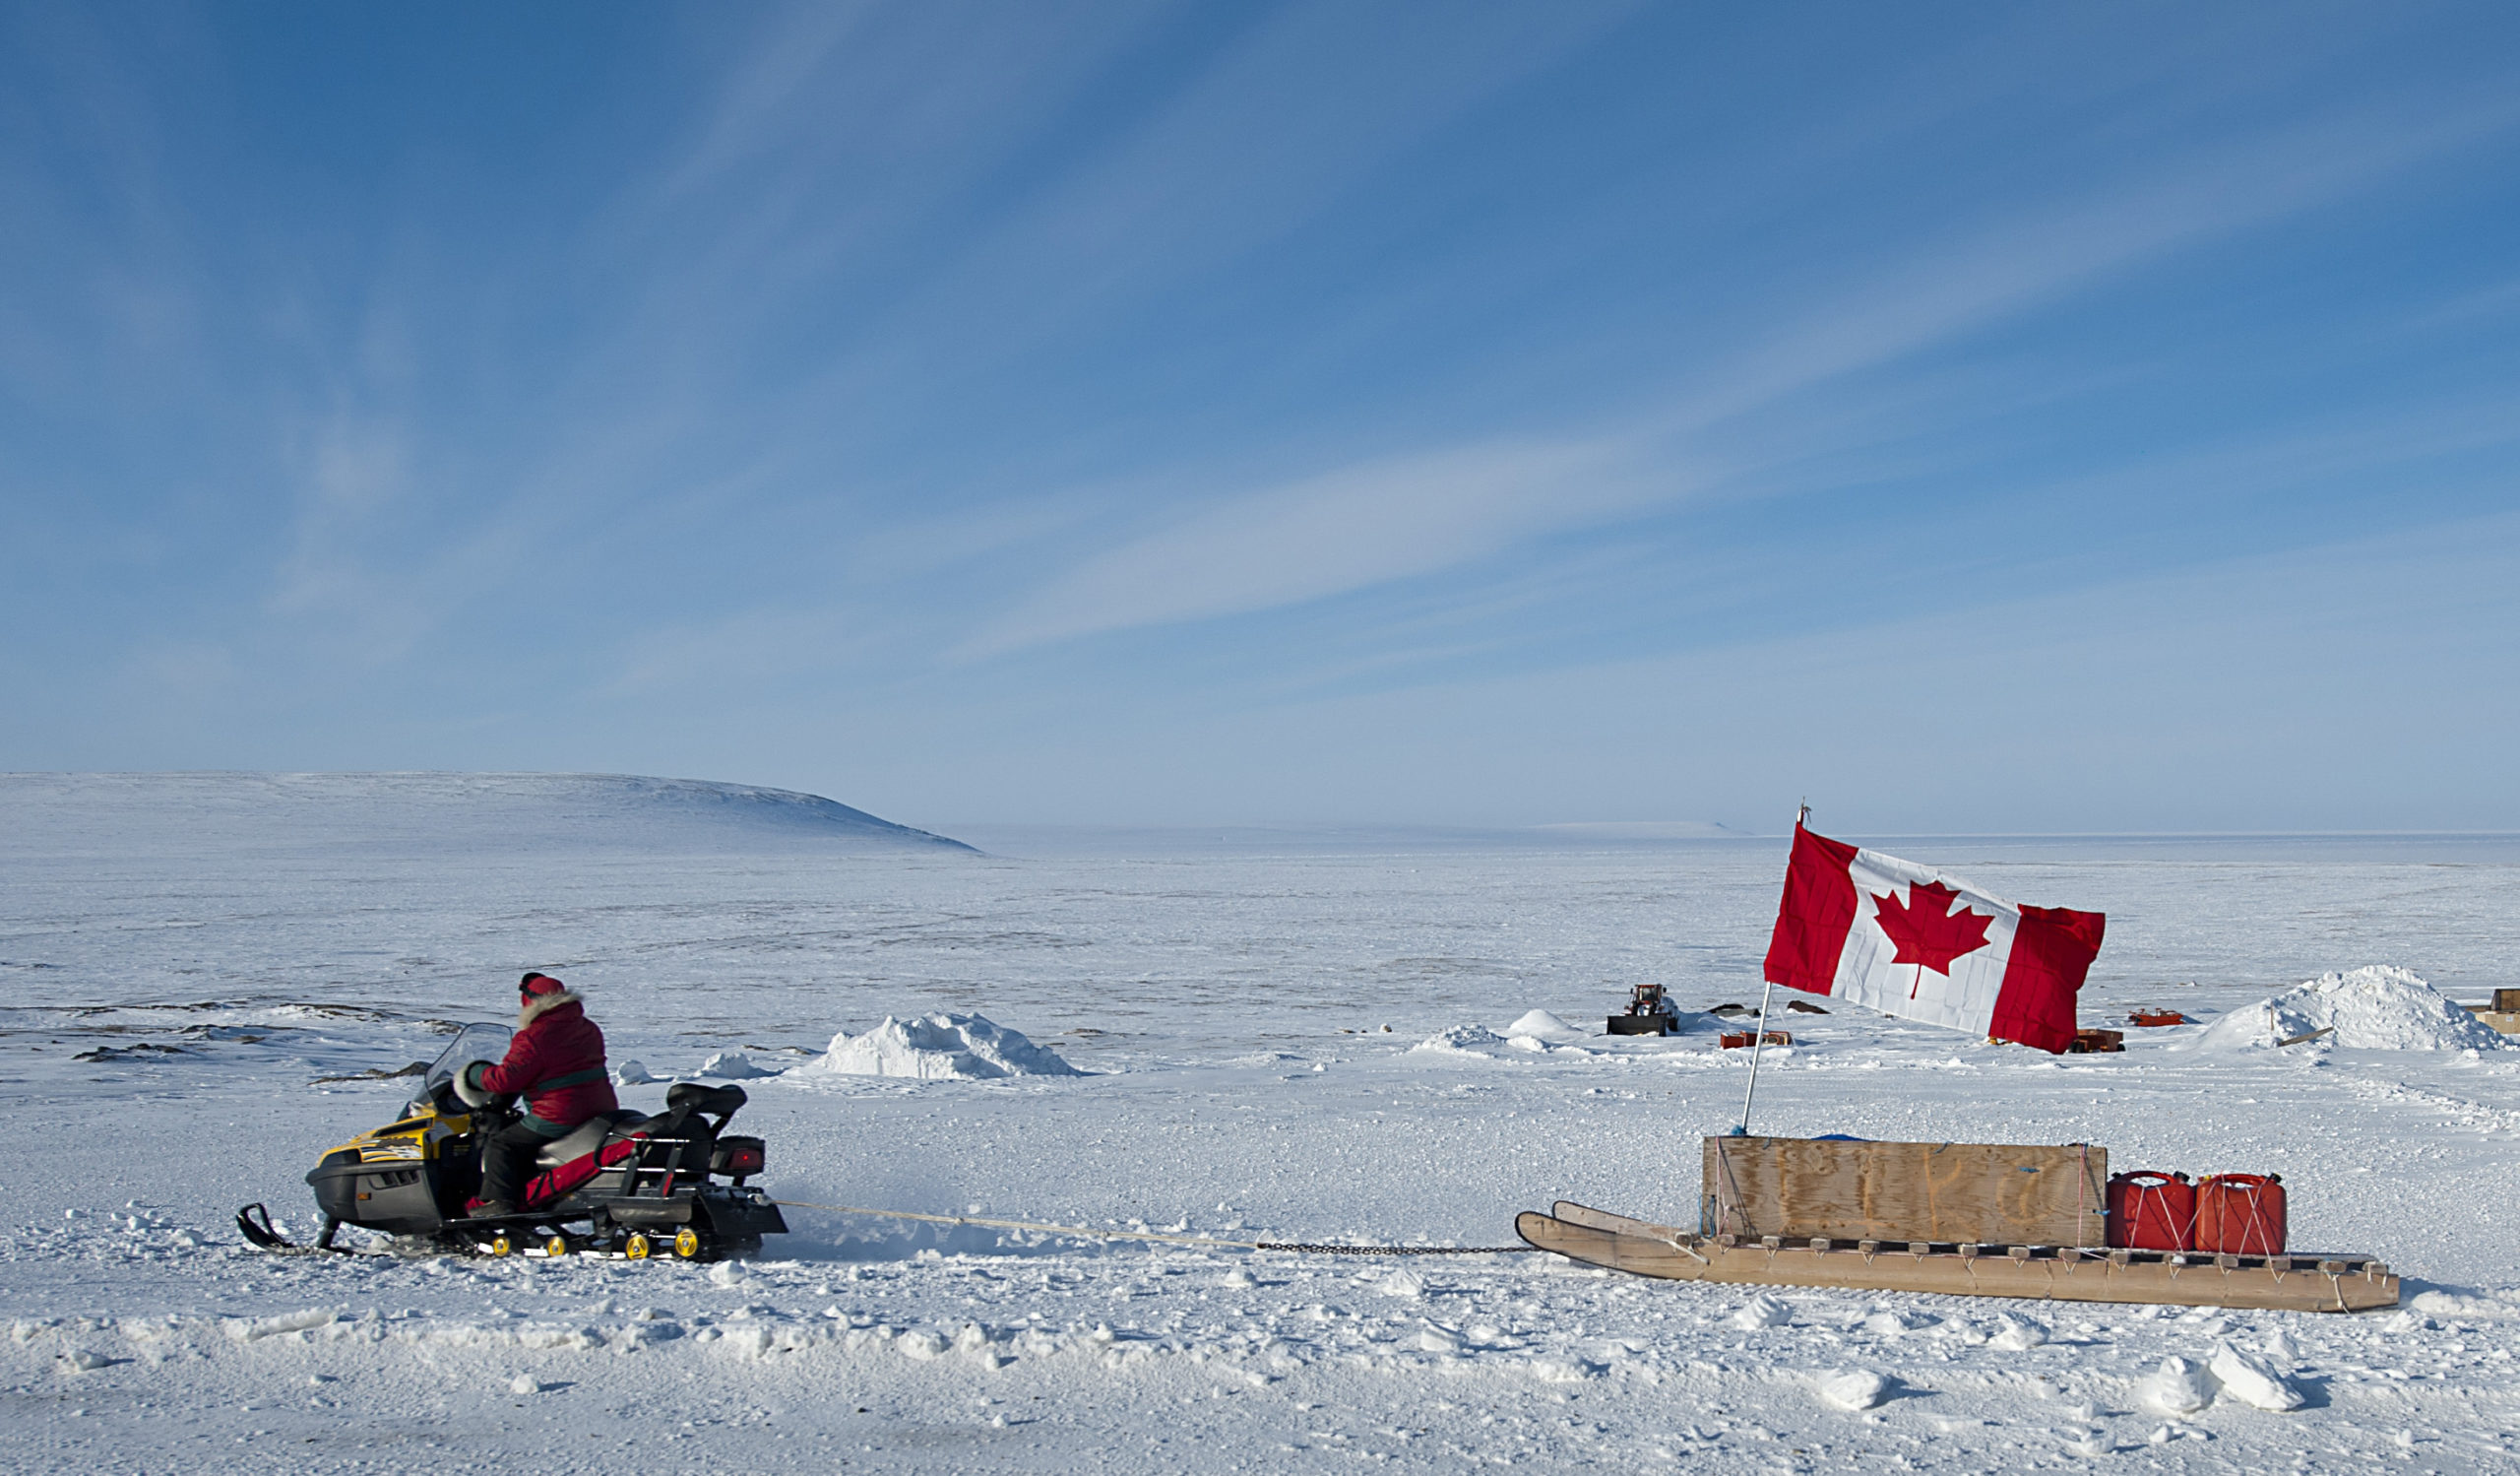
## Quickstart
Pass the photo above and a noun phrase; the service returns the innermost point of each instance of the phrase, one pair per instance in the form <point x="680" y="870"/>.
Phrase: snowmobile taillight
<point x="738" y="1158"/>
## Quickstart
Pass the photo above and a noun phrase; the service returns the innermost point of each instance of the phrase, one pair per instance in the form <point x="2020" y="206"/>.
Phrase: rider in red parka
<point x="555" y="1062"/>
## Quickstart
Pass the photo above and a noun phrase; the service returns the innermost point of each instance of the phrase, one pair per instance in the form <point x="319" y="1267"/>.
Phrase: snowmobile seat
<point x="585" y="1137"/>
<point x="684" y="1098"/>
<point x="606" y="1141"/>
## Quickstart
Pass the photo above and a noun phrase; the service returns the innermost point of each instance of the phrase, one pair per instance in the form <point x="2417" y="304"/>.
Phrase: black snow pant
<point x="507" y="1163"/>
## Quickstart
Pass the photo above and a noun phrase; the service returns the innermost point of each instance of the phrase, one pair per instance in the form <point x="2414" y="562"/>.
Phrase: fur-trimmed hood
<point x="542" y="1004"/>
<point x="555" y="1062"/>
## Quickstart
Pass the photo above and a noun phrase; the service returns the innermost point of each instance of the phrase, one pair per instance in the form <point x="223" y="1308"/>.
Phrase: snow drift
<point x="2374" y="1008"/>
<point x="939" y="1048"/>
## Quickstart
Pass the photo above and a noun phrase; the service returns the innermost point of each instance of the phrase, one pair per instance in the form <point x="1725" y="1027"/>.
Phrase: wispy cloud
<point x="1407" y="515"/>
<point x="1326" y="535"/>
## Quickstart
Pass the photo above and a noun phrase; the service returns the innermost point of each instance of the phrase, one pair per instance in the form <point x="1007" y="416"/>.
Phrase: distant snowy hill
<point x="1641" y="830"/>
<point x="109" y="813"/>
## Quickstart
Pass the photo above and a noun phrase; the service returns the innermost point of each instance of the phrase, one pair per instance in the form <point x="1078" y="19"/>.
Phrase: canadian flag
<point x="1911" y="941"/>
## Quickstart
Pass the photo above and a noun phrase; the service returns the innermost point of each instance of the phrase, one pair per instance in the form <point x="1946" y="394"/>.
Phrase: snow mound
<point x="1542" y="1025"/>
<point x="939" y="1048"/>
<point x="1462" y="1040"/>
<point x="1854" y="1388"/>
<point x="733" y="1065"/>
<point x="1760" y="1313"/>
<point x="1487" y="1044"/>
<point x="2374" y="1008"/>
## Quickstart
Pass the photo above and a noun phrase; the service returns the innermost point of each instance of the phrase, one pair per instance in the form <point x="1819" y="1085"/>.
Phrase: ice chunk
<point x="1401" y="1284"/>
<point x="1761" y="1311"/>
<point x="631" y="1074"/>
<point x="939" y="1048"/>
<point x="525" y="1383"/>
<point x="2018" y="1335"/>
<point x="2374" y="1008"/>
<point x="1854" y="1388"/>
<point x="2177" y="1388"/>
<point x="2253" y="1381"/>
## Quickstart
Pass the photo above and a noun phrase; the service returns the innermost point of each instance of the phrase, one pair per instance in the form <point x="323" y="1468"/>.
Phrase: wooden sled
<point x="2267" y="1283"/>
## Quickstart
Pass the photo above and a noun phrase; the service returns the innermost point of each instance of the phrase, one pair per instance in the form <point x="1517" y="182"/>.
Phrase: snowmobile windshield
<point x="476" y="1041"/>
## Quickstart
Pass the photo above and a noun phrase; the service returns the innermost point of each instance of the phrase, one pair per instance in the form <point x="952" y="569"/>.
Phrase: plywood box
<point x="1988" y="1193"/>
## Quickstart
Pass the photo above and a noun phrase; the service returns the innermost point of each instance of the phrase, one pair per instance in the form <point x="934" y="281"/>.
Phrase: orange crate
<point x="1734" y="1040"/>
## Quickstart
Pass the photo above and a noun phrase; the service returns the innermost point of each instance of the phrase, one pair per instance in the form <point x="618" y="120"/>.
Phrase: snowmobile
<point x="623" y="1183"/>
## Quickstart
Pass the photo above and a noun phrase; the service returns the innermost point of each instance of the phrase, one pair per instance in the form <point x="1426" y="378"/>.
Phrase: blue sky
<point x="2053" y="417"/>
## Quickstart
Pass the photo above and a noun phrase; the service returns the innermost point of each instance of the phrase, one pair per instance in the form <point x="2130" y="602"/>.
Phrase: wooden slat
<point x="1602" y="1219"/>
<point x="2360" y="1287"/>
<point x="1805" y="1189"/>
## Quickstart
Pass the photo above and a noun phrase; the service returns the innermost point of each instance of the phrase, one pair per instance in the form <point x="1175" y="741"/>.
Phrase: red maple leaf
<point x="1929" y="935"/>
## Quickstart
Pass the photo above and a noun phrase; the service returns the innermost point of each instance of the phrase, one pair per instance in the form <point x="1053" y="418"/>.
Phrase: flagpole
<point x="1760" y="1036"/>
<point x="1756" y="1041"/>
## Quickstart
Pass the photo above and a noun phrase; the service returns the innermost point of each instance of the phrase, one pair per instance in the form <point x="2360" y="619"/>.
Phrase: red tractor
<point x="1649" y="1012"/>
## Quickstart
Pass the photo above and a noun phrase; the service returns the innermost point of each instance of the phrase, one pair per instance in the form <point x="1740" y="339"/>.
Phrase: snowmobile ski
<point x="254" y="1222"/>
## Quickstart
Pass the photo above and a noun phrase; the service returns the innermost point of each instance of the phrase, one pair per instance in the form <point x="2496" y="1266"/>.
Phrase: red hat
<point x="538" y="984"/>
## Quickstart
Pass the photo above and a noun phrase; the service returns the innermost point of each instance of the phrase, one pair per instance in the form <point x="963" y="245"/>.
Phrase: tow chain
<point x="1301" y="1248"/>
<point x="1087" y="1232"/>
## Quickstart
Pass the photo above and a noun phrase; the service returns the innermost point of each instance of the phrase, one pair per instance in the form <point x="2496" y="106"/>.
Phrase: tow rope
<point x="1088" y="1233"/>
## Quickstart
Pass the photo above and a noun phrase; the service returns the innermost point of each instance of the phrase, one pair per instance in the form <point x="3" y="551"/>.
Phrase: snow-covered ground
<point x="1248" y="1016"/>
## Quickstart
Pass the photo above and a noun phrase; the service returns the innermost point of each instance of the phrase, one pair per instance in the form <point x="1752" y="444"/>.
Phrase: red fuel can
<point x="2149" y="1211"/>
<point x="2241" y="1214"/>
